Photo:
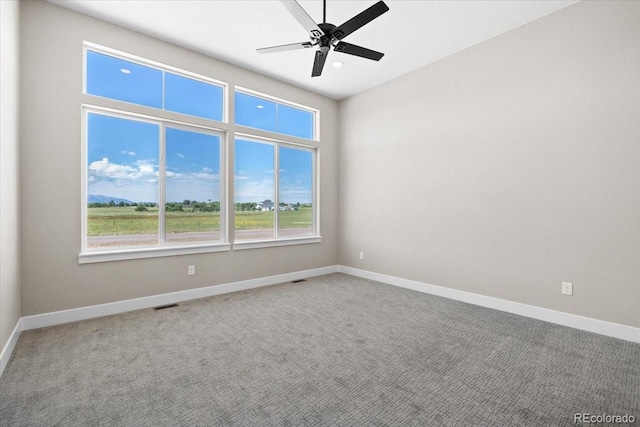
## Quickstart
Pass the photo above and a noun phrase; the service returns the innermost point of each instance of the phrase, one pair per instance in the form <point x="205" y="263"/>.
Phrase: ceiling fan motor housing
<point x="325" y="40"/>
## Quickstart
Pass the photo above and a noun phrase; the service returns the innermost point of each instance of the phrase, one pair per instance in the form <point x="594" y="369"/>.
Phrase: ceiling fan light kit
<point x="325" y="35"/>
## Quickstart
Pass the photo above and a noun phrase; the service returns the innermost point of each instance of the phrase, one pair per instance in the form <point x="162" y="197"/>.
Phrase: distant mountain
<point x="97" y="198"/>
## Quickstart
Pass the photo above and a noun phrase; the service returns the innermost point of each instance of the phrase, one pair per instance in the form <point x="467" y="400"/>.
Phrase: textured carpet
<point x="334" y="350"/>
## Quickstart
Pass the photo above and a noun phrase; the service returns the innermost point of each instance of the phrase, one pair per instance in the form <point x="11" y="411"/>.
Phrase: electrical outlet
<point x="191" y="270"/>
<point x="567" y="288"/>
<point x="361" y="255"/>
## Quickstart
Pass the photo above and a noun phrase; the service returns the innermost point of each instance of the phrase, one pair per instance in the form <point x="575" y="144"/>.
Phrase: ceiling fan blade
<point x="360" y="20"/>
<point x="303" y="18"/>
<point x="318" y="63"/>
<point x="285" y="47"/>
<point x="360" y="51"/>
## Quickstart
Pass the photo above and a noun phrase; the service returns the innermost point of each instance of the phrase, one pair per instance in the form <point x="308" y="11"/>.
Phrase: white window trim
<point x="148" y="252"/>
<point x="314" y="237"/>
<point x="240" y="245"/>
<point x="164" y="248"/>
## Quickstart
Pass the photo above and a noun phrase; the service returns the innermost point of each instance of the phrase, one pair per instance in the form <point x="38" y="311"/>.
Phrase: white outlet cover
<point x="567" y="288"/>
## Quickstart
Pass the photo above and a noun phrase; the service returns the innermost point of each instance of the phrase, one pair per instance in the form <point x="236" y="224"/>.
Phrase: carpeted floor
<point x="334" y="350"/>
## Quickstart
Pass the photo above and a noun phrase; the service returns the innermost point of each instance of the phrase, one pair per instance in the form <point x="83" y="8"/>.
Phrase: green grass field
<point x="118" y="221"/>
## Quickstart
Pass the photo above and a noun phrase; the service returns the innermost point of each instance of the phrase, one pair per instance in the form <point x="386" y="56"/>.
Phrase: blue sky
<point x="254" y="173"/>
<point x="123" y="154"/>
<point x="123" y="158"/>
<point x="123" y="161"/>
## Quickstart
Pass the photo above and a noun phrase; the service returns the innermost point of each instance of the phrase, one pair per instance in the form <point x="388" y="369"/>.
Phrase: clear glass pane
<point x="255" y="112"/>
<point x="295" y="122"/>
<point x="254" y="190"/>
<point x="192" y="186"/>
<point x="122" y="182"/>
<point x="295" y="194"/>
<point x="193" y="97"/>
<point x="123" y="80"/>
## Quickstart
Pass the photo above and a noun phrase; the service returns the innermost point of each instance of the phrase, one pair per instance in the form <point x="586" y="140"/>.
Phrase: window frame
<point x="163" y="248"/>
<point x="314" y="237"/>
<point x="88" y="46"/>
<point x="228" y="130"/>
<point x="284" y="136"/>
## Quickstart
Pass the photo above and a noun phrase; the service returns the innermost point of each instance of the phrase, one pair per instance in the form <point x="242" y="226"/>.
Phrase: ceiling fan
<point x="326" y="35"/>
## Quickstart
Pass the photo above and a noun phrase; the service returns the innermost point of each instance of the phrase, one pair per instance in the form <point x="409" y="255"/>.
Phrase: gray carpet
<point x="334" y="350"/>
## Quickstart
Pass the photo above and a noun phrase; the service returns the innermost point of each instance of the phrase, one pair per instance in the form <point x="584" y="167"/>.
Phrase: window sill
<point x="139" y="253"/>
<point x="256" y="244"/>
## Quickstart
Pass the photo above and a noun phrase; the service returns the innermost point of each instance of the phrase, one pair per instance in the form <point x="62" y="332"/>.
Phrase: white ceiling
<point x="411" y="34"/>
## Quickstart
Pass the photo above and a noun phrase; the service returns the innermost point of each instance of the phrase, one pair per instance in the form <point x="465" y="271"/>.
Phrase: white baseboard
<point x="7" y="351"/>
<point x="82" y="313"/>
<point x="601" y="327"/>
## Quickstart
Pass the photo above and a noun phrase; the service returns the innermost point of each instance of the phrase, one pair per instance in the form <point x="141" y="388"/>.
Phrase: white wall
<point x="51" y="73"/>
<point x="507" y="168"/>
<point x="9" y="170"/>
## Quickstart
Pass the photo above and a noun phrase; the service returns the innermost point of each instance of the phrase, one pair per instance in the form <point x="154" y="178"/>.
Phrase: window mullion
<point x="315" y="197"/>
<point x="276" y="185"/>
<point x="162" y="187"/>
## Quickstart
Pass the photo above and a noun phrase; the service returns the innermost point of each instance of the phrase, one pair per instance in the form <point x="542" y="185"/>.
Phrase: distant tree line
<point x="193" y="206"/>
<point x="190" y="206"/>
<point x="253" y="206"/>
<point x="246" y="207"/>
<point x="109" y="204"/>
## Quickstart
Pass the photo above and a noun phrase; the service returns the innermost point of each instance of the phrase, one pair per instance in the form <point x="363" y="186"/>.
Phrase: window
<point x="261" y="113"/>
<point x="115" y="78"/>
<point x="151" y="183"/>
<point x="122" y="182"/>
<point x="274" y="193"/>
<point x="274" y="179"/>
<point x="295" y="194"/>
<point x="193" y="97"/>
<point x="155" y="183"/>
<point x="192" y="179"/>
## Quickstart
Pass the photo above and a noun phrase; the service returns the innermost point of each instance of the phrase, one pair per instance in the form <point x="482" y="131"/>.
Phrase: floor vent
<point x="299" y="280"/>
<point x="162" y="307"/>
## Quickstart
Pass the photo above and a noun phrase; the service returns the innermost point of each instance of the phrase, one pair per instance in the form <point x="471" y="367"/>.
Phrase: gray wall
<point x="9" y="170"/>
<point x="507" y="168"/>
<point x="51" y="73"/>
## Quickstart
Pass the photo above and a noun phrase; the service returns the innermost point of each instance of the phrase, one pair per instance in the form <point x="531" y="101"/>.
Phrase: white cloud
<point x="205" y="175"/>
<point x="131" y="153"/>
<point x="145" y="168"/>
<point x="112" y="171"/>
<point x="181" y="155"/>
